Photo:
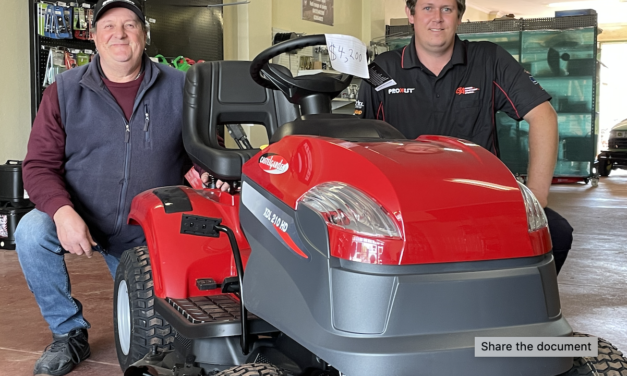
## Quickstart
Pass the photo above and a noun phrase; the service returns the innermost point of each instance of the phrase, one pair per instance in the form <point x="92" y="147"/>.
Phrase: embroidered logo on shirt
<point x="533" y="80"/>
<point x="401" y="90"/>
<point x="466" y="90"/>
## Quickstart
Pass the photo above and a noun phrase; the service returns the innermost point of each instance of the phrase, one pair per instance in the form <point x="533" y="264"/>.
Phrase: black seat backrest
<point x="222" y="92"/>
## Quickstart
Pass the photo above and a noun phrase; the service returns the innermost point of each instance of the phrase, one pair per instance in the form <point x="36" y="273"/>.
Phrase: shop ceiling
<point x="609" y="11"/>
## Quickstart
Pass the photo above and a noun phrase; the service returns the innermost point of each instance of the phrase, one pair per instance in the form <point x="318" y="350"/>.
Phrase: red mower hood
<point x="452" y="200"/>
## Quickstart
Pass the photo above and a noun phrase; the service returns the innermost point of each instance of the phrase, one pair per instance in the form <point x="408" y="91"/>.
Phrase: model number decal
<point x="275" y="220"/>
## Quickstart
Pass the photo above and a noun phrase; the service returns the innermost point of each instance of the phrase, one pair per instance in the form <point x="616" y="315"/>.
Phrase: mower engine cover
<point x="446" y="200"/>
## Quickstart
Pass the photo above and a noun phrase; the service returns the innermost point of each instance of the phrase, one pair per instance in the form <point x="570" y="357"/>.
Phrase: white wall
<point x="15" y="116"/>
<point x="347" y="18"/>
<point x="248" y="28"/>
<point x="396" y="9"/>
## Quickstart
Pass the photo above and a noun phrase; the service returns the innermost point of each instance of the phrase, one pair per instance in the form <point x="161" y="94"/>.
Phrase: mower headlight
<point x="536" y="219"/>
<point x="346" y="207"/>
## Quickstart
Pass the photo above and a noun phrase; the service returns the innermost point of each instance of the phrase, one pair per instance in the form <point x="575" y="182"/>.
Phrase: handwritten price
<point x="338" y="53"/>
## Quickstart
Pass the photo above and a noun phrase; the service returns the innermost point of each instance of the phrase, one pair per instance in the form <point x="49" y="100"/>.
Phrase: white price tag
<point x="348" y="55"/>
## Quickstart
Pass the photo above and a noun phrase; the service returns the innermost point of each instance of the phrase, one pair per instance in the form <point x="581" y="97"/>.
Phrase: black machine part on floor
<point x="9" y="218"/>
<point x="12" y="186"/>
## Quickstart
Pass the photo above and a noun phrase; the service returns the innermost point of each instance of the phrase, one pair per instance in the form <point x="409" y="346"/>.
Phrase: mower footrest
<point x="208" y="316"/>
<point x="213" y="308"/>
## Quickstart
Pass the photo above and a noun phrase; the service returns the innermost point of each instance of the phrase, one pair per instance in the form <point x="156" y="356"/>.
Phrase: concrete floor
<point x="592" y="284"/>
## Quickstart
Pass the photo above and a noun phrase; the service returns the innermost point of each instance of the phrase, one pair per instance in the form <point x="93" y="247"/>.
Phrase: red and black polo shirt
<point x="480" y="79"/>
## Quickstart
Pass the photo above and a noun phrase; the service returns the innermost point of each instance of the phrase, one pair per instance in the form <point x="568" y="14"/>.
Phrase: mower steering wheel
<point x="311" y="92"/>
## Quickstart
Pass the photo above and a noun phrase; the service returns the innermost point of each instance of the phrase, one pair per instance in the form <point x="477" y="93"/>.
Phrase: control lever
<point x="237" y="132"/>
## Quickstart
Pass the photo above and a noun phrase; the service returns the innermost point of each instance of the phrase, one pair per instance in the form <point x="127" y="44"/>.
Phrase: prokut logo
<point x="401" y="90"/>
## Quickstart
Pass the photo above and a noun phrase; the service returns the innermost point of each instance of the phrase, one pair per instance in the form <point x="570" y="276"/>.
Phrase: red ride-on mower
<point x="347" y="249"/>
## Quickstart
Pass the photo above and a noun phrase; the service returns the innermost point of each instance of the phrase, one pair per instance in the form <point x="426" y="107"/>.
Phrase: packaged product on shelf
<point x="54" y="65"/>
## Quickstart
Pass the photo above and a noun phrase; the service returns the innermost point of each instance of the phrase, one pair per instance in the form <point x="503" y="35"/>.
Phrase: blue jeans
<point x="43" y="264"/>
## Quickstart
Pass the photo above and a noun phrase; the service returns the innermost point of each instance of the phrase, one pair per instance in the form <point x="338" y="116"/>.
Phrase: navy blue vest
<point x="109" y="160"/>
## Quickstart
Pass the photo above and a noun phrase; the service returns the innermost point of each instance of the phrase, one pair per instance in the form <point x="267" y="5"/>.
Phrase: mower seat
<point x="344" y="127"/>
<point x="222" y="92"/>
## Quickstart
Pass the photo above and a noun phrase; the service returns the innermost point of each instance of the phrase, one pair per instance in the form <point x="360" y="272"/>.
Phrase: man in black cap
<point x="104" y="132"/>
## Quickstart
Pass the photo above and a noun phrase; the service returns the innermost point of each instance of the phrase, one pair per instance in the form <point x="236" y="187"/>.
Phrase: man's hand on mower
<point x="206" y="178"/>
<point x="73" y="232"/>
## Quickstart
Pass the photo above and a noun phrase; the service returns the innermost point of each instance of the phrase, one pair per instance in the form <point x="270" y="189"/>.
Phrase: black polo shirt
<point x="480" y="79"/>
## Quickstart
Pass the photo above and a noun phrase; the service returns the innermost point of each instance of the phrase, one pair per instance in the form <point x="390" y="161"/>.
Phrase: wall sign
<point x="320" y="11"/>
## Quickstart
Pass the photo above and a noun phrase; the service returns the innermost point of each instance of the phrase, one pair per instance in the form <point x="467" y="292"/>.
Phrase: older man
<point x="104" y="133"/>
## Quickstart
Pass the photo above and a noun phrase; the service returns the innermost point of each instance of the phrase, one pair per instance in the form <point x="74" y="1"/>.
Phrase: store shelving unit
<point x="39" y="47"/>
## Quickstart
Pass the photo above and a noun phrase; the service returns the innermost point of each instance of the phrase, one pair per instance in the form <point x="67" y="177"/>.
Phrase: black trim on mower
<point x="240" y="275"/>
<point x="174" y="199"/>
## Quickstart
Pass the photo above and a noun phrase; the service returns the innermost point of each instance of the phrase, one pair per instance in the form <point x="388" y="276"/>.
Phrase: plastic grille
<point x="181" y="342"/>
<point x="550" y="23"/>
<point x="403" y="29"/>
<point x="559" y="23"/>
<point x="261" y="359"/>
<point x="495" y="26"/>
<point x="617" y="143"/>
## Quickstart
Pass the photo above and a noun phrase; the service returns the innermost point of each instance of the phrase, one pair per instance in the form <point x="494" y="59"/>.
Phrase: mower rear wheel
<point x="252" y="369"/>
<point x="137" y="326"/>
<point x="609" y="362"/>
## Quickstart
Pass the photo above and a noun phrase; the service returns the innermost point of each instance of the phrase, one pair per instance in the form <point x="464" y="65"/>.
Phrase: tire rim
<point x="124" y="318"/>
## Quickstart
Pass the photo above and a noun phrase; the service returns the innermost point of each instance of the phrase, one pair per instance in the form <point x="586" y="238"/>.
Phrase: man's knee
<point x="36" y="230"/>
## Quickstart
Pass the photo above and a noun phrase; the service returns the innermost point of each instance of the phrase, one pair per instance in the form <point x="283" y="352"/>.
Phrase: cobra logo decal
<point x="273" y="164"/>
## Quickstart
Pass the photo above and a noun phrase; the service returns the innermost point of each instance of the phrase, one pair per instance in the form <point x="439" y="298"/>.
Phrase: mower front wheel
<point x="609" y="362"/>
<point x="253" y="369"/>
<point x="136" y="324"/>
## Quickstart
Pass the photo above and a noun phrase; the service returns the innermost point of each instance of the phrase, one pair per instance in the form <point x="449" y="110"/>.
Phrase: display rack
<point x="39" y="47"/>
<point x="561" y="53"/>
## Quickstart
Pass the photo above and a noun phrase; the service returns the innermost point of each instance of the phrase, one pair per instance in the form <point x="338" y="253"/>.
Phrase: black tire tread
<point x="252" y="369"/>
<point x="609" y="362"/>
<point x="604" y="168"/>
<point x="148" y="327"/>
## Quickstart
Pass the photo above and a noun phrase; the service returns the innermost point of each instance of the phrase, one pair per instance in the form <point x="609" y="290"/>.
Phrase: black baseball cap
<point x="104" y="5"/>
